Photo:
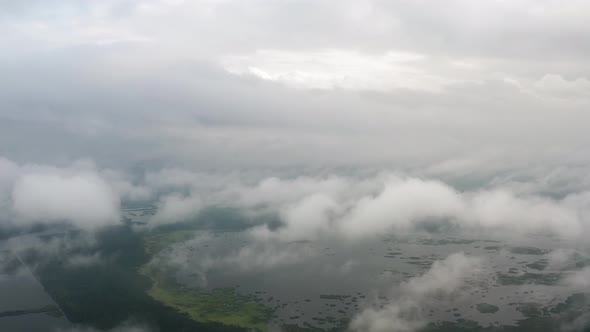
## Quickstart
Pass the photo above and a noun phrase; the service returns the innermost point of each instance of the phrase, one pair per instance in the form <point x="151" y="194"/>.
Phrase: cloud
<point x="8" y="173"/>
<point x="579" y="280"/>
<point x="85" y="200"/>
<point x="176" y="208"/>
<point x="361" y="206"/>
<point x="444" y="278"/>
<point x="80" y="194"/>
<point x="580" y="323"/>
<point x="403" y="85"/>
<point x="337" y="69"/>
<point x="558" y="86"/>
<point x="400" y="204"/>
<point x="310" y="216"/>
<point x="250" y="256"/>
<point x="368" y="207"/>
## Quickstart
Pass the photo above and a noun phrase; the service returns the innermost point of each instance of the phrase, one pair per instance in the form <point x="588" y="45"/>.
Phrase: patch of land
<point x="223" y="306"/>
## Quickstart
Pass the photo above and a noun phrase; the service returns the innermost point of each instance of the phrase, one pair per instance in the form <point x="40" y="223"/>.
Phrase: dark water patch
<point x="528" y="251"/>
<point x="579" y="302"/>
<point x="539" y="265"/>
<point x="105" y="295"/>
<point x="421" y="263"/>
<point x="527" y="278"/>
<point x="444" y="242"/>
<point x="460" y="325"/>
<point x="34" y="322"/>
<point x="9" y="264"/>
<point x="531" y="309"/>
<point x="492" y="248"/>
<point x="334" y="297"/>
<point x="486" y="308"/>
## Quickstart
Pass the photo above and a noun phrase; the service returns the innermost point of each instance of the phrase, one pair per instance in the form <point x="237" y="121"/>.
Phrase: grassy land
<point x="220" y="305"/>
<point x="105" y="295"/>
<point x="223" y="306"/>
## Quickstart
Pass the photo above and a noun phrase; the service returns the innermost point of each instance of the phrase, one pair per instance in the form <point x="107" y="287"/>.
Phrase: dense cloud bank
<point x="351" y="207"/>
<point x="486" y="130"/>
<point x="355" y="208"/>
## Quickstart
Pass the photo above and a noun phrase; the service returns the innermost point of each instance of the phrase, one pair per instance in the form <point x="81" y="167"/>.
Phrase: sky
<point x="118" y="98"/>
<point x="347" y="110"/>
<point x="233" y="84"/>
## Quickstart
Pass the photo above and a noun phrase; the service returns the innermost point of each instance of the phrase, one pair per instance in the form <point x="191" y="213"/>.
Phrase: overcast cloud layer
<point x="485" y="87"/>
<point x="186" y="98"/>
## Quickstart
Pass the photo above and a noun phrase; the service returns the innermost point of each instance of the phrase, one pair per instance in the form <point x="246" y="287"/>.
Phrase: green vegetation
<point x="223" y="306"/>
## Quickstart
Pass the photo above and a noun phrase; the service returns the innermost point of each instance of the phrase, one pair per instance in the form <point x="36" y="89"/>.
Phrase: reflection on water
<point x="24" y="304"/>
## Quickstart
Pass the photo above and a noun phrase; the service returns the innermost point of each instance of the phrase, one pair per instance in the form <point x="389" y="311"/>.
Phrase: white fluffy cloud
<point x="85" y="200"/>
<point x="338" y="69"/>
<point x="177" y="208"/>
<point x="79" y="194"/>
<point x="403" y="315"/>
<point x="360" y="207"/>
<point x="364" y="208"/>
<point x="579" y="280"/>
<point x="400" y="204"/>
